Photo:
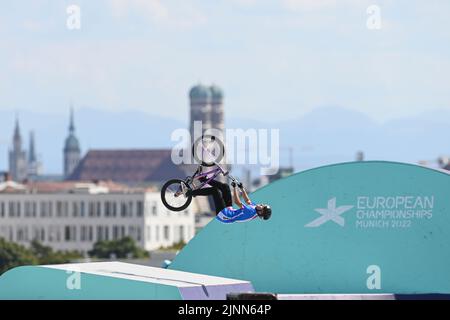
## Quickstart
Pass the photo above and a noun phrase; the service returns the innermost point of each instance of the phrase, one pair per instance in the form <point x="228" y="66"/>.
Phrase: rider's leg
<point x="219" y="203"/>
<point x="226" y="191"/>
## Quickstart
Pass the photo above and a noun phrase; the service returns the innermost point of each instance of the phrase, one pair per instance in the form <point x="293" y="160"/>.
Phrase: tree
<point x="175" y="247"/>
<point x="46" y="255"/>
<point x="122" y="248"/>
<point x="14" y="255"/>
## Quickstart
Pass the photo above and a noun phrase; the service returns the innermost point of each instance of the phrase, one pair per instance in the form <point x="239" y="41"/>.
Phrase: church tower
<point x="206" y="104"/>
<point x="34" y="165"/>
<point x="72" y="150"/>
<point x="207" y="107"/>
<point x="17" y="157"/>
<point x="200" y="102"/>
<point x="217" y="113"/>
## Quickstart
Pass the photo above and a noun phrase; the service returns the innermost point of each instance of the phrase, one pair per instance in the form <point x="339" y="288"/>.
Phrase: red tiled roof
<point x="65" y="186"/>
<point x="130" y="166"/>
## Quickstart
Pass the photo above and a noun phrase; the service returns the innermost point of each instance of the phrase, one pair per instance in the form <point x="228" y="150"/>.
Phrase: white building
<point x="74" y="215"/>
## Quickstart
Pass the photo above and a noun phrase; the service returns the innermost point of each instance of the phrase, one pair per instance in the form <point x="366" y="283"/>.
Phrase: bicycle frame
<point x="215" y="172"/>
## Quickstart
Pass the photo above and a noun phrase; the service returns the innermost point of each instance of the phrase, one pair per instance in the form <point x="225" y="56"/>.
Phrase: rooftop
<point x="82" y="187"/>
<point x="131" y="166"/>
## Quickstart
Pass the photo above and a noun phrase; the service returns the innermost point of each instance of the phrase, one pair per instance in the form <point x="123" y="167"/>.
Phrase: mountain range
<point x="324" y="135"/>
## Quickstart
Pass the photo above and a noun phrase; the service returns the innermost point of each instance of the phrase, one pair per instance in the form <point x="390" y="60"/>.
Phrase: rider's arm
<point x="236" y="197"/>
<point x="245" y="196"/>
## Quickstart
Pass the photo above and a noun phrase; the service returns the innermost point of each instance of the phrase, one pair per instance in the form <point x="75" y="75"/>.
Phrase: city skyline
<point x="206" y="106"/>
<point x="407" y="139"/>
<point x="25" y="164"/>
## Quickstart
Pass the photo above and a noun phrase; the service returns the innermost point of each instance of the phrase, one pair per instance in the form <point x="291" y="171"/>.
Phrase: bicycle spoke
<point x="172" y="198"/>
<point x="175" y="190"/>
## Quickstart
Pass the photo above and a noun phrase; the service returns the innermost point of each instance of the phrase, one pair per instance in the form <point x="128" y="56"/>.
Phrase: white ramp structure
<point x="114" y="280"/>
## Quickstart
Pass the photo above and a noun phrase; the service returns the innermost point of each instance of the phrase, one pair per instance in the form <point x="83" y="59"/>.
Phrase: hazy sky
<point x="274" y="59"/>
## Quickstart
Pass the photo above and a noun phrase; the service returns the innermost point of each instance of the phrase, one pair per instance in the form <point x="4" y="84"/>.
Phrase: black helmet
<point x="266" y="211"/>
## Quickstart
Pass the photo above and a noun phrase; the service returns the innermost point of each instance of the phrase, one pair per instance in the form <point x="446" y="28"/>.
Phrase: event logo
<point x="394" y="212"/>
<point x="379" y="212"/>
<point x="331" y="213"/>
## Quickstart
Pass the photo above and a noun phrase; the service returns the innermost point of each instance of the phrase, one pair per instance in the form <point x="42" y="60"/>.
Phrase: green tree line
<point x="14" y="255"/>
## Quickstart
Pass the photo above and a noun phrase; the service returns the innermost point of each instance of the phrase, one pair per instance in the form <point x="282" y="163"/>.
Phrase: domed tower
<point x="72" y="150"/>
<point x="217" y="117"/>
<point x="200" y="100"/>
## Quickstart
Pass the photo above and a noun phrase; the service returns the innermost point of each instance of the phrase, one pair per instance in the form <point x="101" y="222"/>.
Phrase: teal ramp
<point x="362" y="227"/>
<point x="113" y="280"/>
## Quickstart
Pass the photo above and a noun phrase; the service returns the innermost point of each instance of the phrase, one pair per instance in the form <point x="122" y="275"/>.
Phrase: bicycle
<point x="176" y="194"/>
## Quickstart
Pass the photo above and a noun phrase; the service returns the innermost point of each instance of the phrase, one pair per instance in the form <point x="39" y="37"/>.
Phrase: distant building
<point x="72" y="151"/>
<point x="442" y="162"/>
<point x="48" y="177"/>
<point x="206" y="103"/>
<point x="359" y="156"/>
<point x="207" y="107"/>
<point x="23" y="165"/>
<point x="18" y="157"/>
<point x="132" y="167"/>
<point x="34" y="165"/>
<point x="74" y="215"/>
<point x="202" y="219"/>
<point x="259" y="182"/>
<point x="283" y="172"/>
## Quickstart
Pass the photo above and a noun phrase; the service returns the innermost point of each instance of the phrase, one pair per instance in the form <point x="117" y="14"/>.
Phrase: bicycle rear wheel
<point x="175" y="195"/>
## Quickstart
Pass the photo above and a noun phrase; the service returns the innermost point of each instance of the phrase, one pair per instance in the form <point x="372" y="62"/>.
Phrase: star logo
<point x="330" y="213"/>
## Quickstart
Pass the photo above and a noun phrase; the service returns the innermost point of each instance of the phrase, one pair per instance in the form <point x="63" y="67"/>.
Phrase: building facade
<point x="75" y="215"/>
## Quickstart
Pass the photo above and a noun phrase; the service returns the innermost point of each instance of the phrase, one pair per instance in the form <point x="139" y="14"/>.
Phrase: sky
<point x="275" y="60"/>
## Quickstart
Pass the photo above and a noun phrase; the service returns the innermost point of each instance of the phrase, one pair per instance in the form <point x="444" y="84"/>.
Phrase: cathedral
<point x="18" y="165"/>
<point x="25" y="165"/>
<point x="138" y="167"/>
<point x="122" y="165"/>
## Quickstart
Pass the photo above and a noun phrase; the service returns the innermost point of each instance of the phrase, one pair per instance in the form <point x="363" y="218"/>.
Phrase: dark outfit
<point x="220" y="192"/>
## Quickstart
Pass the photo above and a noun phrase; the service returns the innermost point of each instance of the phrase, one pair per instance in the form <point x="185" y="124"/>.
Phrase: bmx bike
<point x="176" y="194"/>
